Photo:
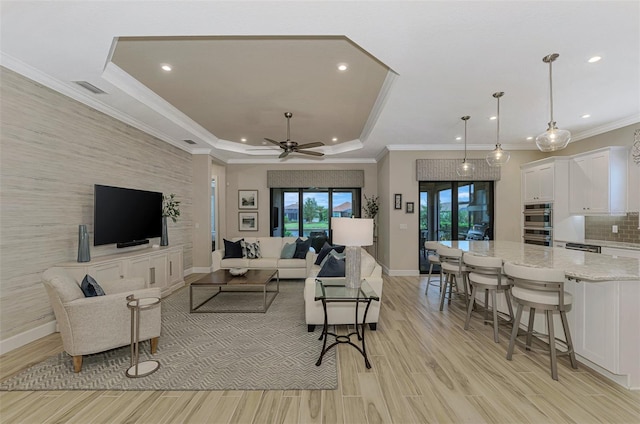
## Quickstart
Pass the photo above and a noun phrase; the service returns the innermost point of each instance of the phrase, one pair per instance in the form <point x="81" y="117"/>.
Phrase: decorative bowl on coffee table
<point x="238" y="271"/>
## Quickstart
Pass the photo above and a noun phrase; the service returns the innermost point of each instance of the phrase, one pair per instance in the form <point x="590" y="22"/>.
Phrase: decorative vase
<point x="164" y="239"/>
<point x="83" y="244"/>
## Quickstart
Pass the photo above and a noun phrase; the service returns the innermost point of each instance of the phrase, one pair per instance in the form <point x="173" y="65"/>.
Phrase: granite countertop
<point x="616" y="244"/>
<point x="576" y="264"/>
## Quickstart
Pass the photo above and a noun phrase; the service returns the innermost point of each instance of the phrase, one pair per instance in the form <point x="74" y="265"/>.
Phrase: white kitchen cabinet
<point x="598" y="182"/>
<point x="160" y="267"/>
<point x="538" y="183"/>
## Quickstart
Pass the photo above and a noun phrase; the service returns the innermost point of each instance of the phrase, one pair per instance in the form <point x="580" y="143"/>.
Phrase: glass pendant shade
<point x="552" y="139"/>
<point x="465" y="169"/>
<point x="498" y="157"/>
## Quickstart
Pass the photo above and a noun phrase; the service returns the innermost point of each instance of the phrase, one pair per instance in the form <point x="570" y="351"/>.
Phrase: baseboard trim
<point x="621" y="379"/>
<point x="27" y="337"/>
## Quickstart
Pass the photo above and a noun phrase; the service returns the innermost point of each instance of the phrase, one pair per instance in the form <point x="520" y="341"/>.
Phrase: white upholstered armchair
<point x="95" y="324"/>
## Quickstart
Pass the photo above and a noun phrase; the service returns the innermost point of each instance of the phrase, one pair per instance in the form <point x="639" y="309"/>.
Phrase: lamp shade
<point x="352" y="231"/>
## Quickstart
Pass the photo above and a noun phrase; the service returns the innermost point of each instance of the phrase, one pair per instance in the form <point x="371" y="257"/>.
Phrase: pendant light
<point x="465" y="169"/>
<point x="552" y="139"/>
<point x="498" y="157"/>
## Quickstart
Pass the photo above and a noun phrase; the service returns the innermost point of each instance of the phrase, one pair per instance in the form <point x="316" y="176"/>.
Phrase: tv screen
<point x="124" y="215"/>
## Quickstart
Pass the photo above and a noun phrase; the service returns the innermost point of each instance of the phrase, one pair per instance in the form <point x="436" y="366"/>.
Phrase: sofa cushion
<point x="302" y="247"/>
<point x="264" y="263"/>
<point x="332" y="267"/>
<point x="288" y="251"/>
<point x="292" y="263"/>
<point x="324" y="251"/>
<point x="90" y="287"/>
<point x="367" y="264"/>
<point x="270" y="247"/>
<point x="232" y="249"/>
<point x="65" y="286"/>
<point x="234" y="263"/>
<point x="251" y="250"/>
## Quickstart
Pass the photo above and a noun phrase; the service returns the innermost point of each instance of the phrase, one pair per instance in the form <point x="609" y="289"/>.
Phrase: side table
<point x="334" y="290"/>
<point x="144" y="368"/>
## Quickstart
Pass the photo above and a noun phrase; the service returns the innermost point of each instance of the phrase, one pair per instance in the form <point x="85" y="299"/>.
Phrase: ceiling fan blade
<point x="283" y="154"/>
<point x="273" y="141"/>
<point x="310" y="145"/>
<point x="309" y="152"/>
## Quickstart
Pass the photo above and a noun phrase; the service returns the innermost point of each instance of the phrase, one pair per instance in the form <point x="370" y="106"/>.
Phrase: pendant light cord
<point x="465" y="140"/>
<point x="551" y="90"/>
<point x="498" y="124"/>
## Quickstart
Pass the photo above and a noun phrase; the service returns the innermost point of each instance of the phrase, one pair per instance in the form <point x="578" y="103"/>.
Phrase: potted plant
<point x="170" y="209"/>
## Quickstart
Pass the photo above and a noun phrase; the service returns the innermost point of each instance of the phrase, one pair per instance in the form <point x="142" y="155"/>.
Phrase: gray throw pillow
<point x="288" y="250"/>
<point x="90" y="287"/>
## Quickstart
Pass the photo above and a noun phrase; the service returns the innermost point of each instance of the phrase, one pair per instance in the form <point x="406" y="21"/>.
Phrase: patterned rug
<point x="208" y="351"/>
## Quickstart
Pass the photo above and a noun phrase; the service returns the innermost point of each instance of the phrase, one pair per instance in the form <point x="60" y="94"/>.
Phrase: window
<point x="299" y="212"/>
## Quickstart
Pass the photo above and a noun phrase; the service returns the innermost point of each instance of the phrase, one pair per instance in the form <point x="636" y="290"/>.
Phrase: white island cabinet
<point x="160" y="267"/>
<point x="605" y="314"/>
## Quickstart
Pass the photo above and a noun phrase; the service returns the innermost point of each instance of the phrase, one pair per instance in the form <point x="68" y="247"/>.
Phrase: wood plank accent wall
<point x="53" y="150"/>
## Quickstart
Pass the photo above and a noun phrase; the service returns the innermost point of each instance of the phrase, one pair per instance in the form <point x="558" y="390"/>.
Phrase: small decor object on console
<point x="83" y="244"/>
<point x="171" y="209"/>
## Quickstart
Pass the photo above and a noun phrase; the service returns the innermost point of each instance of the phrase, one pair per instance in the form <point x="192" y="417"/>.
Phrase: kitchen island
<point x="605" y="316"/>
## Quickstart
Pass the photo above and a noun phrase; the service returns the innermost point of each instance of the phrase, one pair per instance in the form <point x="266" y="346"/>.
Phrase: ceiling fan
<point x="291" y="146"/>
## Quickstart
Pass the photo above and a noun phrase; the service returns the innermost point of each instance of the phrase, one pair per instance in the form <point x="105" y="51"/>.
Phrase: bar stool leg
<point x="452" y="280"/>
<point x="486" y="305"/>
<point x="514" y="332"/>
<point x="532" y="317"/>
<point x="507" y="294"/>
<point x="552" y="345"/>
<point x="495" y="316"/>
<point x="567" y="335"/>
<point x="470" y="308"/>
<point x="443" y="290"/>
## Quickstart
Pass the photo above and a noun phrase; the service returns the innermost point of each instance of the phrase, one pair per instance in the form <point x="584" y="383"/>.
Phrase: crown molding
<point x="381" y="100"/>
<point x="70" y="91"/>
<point x="298" y="160"/>
<point x="629" y="120"/>
<point x="476" y="147"/>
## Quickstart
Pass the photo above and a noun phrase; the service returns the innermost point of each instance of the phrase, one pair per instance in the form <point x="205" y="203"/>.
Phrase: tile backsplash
<point x="599" y="228"/>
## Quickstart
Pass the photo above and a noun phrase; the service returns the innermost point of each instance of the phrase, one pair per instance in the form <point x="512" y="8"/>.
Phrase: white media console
<point x="159" y="266"/>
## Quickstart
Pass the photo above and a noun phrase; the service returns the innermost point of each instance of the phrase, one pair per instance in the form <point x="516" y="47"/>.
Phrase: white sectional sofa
<point x="270" y="250"/>
<point x="343" y="313"/>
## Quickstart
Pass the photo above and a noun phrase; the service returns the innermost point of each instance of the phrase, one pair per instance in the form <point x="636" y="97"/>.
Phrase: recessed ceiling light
<point x="166" y="68"/>
<point x="493" y="118"/>
<point x="264" y="142"/>
<point x="586" y="115"/>
<point x="342" y="67"/>
<point x="334" y="139"/>
<point x="594" y="59"/>
<point x="529" y="138"/>
<point x="458" y="138"/>
<point x="244" y="140"/>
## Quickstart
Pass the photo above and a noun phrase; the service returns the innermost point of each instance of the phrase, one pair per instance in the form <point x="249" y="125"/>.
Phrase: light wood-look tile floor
<point x="426" y="368"/>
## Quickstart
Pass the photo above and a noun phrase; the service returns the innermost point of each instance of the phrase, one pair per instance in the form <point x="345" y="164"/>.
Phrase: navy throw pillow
<point x="302" y="247"/>
<point x="232" y="249"/>
<point x="332" y="268"/>
<point x="325" y="251"/>
<point x="90" y="287"/>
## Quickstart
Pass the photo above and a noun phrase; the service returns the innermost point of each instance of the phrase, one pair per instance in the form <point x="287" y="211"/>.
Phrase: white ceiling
<point x="447" y="60"/>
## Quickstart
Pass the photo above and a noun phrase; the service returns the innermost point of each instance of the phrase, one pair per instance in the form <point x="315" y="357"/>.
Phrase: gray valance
<point x="315" y="178"/>
<point x="445" y="170"/>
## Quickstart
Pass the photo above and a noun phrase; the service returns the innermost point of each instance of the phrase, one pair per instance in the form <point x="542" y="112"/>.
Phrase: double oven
<point x="538" y="224"/>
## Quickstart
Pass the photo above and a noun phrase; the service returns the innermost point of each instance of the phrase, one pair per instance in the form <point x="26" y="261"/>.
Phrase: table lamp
<point x="352" y="233"/>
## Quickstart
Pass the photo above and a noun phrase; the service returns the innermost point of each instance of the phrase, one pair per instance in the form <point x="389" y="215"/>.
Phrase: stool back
<point x="488" y="266"/>
<point x="431" y="246"/>
<point x="450" y="258"/>
<point x="536" y="279"/>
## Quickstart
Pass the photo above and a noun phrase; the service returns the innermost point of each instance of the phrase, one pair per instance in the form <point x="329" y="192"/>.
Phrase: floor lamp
<point x="352" y="233"/>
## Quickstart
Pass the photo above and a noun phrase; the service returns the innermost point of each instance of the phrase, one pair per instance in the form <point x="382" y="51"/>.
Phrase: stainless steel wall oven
<point x="538" y="224"/>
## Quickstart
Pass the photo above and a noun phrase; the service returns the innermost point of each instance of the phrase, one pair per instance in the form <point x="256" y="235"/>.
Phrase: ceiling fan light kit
<point x="289" y="146"/>
<point x="498" y="157"/>
<point x="465" y="169"/>
<point x="553" y="138"/>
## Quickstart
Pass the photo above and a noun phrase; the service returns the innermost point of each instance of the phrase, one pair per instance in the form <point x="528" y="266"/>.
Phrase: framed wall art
<point x="409" y="208"/>
<point x="397" y="201"/>
<point x="247" y="221"/>
<point x="247" y="199"/>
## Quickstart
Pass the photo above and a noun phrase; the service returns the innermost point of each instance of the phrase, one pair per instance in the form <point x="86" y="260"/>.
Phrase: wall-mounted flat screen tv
<point x="125" y="216"/>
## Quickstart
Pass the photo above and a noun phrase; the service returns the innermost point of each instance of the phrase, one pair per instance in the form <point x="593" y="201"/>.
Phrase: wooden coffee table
<point x="255" y="280"/>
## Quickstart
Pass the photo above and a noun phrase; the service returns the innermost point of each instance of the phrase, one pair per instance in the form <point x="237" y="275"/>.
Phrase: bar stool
<point x="431" y="248"/>
<point x="485" y="273"/>
<point x="451" y="268"/>
<point x="541" y="288"/>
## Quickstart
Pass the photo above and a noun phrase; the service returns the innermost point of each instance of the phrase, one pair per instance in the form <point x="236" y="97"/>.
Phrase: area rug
<point x="206" y="351"/>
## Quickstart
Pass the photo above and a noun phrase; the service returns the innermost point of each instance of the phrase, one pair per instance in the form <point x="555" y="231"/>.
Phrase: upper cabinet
<point x="598" y="182"/>
<point x="537" y="182"/>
